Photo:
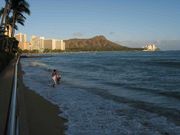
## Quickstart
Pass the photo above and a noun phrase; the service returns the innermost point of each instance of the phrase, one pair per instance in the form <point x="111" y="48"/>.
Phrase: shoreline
<point x="37" y="115"/>
<point x="39" y="54"/>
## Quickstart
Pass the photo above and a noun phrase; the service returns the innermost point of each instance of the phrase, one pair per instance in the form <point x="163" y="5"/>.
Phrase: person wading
<point x="55" y="77"/>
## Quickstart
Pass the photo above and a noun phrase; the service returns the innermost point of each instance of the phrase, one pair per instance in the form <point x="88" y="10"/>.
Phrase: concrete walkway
<point x="6" y="78"/>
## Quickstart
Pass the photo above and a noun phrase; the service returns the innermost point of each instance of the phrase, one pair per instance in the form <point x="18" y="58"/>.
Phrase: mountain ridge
<point x="96" y="43"/>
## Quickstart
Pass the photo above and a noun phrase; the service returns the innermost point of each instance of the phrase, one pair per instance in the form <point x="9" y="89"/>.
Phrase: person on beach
<point x="55" y="77"/>
<point x="58" y="77"/>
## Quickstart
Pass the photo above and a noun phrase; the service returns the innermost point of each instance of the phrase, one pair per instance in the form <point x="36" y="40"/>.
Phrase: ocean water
<point x="111" y="93"/>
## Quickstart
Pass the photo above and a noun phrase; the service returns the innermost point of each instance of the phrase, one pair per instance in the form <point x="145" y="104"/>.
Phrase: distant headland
<point x="97" y="43"/>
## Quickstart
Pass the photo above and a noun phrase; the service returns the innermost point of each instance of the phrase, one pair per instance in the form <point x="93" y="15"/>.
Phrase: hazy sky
<point x="118" y="20"/>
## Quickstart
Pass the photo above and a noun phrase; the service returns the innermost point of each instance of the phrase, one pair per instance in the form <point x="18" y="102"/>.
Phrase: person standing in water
<point x="55" y="77"/>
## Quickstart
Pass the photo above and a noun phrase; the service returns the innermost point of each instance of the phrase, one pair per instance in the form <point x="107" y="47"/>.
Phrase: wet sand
<point x="37" y="115"/>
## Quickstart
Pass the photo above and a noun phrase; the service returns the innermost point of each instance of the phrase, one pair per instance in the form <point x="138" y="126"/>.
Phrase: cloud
<point x="77" y="34"/>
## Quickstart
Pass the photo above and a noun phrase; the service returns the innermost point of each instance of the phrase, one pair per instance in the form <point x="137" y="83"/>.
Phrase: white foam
<point x="90" y="114"/>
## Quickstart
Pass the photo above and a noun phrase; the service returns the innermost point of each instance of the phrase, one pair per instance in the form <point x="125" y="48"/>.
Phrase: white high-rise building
<point x="21" y="37"/>
<point x="150" y="47"/>
<point x="40" y="43"/>
<point x="54" y="44"/>
<point x="48" y="44"/>
<point x="37" y="42"/>
<point x="60" y="44"/>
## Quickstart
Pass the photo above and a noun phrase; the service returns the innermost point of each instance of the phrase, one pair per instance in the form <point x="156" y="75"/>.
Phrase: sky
<point x="118" y="20"/>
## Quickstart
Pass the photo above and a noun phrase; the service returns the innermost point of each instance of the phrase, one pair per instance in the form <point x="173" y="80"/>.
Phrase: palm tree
<point x="9" y="23"/>
<point x="19" y="7"/>
<point x="16" y="8"/>
<point x="1" y="12"/>
<point x="5" y="12"/>
<point x="1" y="16"/>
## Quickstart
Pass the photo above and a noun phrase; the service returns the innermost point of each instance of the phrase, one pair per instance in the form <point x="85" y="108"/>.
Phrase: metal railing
<point x="12" y="127"/>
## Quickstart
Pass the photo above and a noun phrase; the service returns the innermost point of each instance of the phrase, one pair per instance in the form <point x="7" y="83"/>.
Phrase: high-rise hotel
<point x="22" y="38"/>
<point x="54" y="44"/>
<point x="39" y="43"/>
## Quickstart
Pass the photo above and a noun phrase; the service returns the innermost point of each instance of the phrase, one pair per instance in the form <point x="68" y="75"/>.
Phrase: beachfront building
<point x="23" y="44"/>
<point x="40" y="43"/>
<point x="54" y="44"/>
<point x="150" y="47"/>
<point x="21" y="37"/>
<point x="37" y="43"/>
<point x="60" y="44"/>
<point x="48" y="43"/>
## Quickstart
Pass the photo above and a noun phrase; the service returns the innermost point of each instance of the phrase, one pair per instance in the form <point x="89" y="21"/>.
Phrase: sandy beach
<point x="37" y="116"/>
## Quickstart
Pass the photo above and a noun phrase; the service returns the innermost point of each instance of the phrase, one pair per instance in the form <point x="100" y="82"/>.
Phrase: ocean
<point x="111" y="93"/>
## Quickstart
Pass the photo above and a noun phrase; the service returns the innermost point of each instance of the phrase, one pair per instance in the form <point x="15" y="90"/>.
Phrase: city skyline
<point x="118" y="20"/>
<point x="39" y="43"/>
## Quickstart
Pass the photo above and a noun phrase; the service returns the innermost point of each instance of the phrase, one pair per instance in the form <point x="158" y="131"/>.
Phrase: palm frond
<point x="19" y="8"/>
<point x="1" y="11"/>
<point x="15" y="27"/>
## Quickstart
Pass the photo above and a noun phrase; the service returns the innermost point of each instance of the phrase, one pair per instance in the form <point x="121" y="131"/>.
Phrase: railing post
<point x="12" y="116"/>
